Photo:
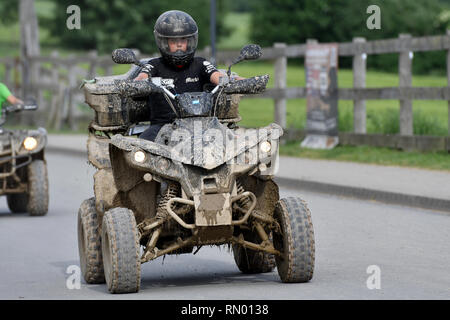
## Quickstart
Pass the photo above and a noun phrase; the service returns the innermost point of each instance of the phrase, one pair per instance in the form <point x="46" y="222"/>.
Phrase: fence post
<point x="42" y="103"/>
<point x="359" y="81"/>
<point x="35" y="67"/>
<point x="405" y="80"/>
<point x="18" y="86"/>
<point x="206" y="53"/>
<point x="109" y="70"/>
<point x="280" y="83"/>
<point x="93" y="59"/>
<point x="448" y="82"/>
<point x="308" y="41"/>
<point x="54" y="108"/>
<point x="59" y="104"/>
<point x="72" y="78"/>
<point x="8" y="68"/>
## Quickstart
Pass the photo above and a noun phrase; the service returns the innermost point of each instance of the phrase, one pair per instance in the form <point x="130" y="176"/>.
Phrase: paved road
<point x="410" y="246"/>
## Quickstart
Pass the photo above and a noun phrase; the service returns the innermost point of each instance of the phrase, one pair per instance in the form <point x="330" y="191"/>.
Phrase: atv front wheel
<point x="251" y="261"/>
<point x="89" y="243"/>
<point x="17" y="202"/>
<point x="121" y="249"/>
<point x="295" y="240"/>
<point x="37" y="188"/>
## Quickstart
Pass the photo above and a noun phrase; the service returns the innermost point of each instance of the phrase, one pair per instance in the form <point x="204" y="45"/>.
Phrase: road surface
<point x="399" y="252"/>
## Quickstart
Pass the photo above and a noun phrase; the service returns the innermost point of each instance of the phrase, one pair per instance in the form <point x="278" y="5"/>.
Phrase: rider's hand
<point x="141" y="76"/>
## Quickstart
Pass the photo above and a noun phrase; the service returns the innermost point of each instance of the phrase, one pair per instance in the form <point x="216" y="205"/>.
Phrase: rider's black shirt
<point x="191" y="78"/>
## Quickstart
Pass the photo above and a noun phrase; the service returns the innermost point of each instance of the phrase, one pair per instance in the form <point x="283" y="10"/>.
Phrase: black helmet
<point x="176" y="24"/>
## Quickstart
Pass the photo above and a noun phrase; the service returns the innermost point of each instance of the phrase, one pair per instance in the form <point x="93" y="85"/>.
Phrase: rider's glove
<point x="147" y="68"/>
<point x="154" y="87"/>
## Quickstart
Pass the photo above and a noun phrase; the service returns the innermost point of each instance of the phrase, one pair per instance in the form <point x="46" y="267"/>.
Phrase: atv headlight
<point x="265" y="147"/>
<point x="139" y="156"/>
<point x="30" y="143"/>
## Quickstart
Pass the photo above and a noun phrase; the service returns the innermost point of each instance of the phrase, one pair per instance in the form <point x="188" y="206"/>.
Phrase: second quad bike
<point x="203" y="181"/>
<point x="23" y="169"/>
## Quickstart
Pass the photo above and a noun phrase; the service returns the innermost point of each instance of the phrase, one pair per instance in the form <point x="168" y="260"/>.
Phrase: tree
<point x="295" y="21"/>
<point x="9" y="10"/>
<point x="242" y="5"/>
<point x="106" y="25"/>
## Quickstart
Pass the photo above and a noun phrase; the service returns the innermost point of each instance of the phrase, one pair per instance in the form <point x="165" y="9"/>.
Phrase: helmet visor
<point x="165" y="44"/>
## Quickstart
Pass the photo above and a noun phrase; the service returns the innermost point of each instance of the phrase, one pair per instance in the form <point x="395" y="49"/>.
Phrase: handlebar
<point x="136" y="88"/>
<point x="251" y="85"/>
<point x="133" y="88"/>
<point x="20" y="107"/>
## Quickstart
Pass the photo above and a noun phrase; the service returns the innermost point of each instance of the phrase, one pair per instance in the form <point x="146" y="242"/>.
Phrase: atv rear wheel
<point x="251" y="261"/>
<point x="121" y="251"/>
<point x="295" y="242"/>
<point x="89" y="243"/>
<point x="37" y="188"/>
<point x="17" y="202"/>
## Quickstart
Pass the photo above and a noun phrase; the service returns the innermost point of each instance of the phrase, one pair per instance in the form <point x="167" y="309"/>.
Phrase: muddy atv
<point x="203" y="181"/>
<point x="23" y="169"/>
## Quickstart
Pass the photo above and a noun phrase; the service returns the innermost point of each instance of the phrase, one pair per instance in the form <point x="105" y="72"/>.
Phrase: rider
<point x="176" y="36"/>
<point x="5" y="95"/>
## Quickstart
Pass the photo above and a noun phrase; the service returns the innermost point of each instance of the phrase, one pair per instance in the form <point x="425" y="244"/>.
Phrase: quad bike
<point x="203" y="181"/>
<point x="23" y="169"/>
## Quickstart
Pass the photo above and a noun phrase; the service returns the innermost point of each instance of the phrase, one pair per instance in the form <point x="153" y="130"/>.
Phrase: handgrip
<point x="252" y="85"/>
<point x="136" y="88"/>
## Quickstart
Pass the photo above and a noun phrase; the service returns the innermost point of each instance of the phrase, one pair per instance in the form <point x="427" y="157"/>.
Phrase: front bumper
<point x="13" y="159"/>
<point x="212" y="210"/>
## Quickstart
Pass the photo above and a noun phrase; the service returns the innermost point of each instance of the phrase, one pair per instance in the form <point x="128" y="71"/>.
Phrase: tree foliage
<point x="106" y="25"/>
<point x="242" y="5"/>
<point x="295" y="21"/>
<point x="9" y="11"/>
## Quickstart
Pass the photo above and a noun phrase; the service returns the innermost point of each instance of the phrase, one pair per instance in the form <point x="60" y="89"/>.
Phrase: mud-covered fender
<point x="122" y="149"/>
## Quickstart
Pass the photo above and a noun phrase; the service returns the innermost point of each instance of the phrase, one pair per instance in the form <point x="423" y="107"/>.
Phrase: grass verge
<point x="372" y="155"/>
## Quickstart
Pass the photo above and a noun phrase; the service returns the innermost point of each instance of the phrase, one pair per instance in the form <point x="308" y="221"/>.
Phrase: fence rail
<point x="347" y="49"/>
<point x="387" y="93"/>
<point x="61" y="77"/>
<point x="359" y="48"/>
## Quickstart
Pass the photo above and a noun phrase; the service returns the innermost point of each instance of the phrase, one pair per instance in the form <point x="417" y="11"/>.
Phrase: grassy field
<point x="430" y="117"/>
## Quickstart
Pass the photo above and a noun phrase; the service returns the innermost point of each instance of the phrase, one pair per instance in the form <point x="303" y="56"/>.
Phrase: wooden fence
<point x="61" y="77"/>
<point x="359" y="49"/>
<point x="54" y="81"/>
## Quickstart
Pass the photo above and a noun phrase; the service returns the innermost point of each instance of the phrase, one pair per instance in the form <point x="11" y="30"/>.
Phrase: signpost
<point x="213" y="31"/>
<point x="321" y="91"/>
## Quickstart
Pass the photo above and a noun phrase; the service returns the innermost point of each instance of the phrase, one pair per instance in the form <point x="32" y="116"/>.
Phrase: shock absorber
<point x="260" y="220"/>
<point x="244" y="202"/>
<point x="172" y="191"/>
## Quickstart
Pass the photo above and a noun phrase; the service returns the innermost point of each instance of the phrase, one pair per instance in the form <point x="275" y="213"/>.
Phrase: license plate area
<point x="212" y="210"/>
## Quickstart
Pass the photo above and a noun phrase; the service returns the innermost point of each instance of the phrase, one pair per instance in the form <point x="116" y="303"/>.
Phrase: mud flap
<point x="104" y="189"/>
<point x="98" y="151"/>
